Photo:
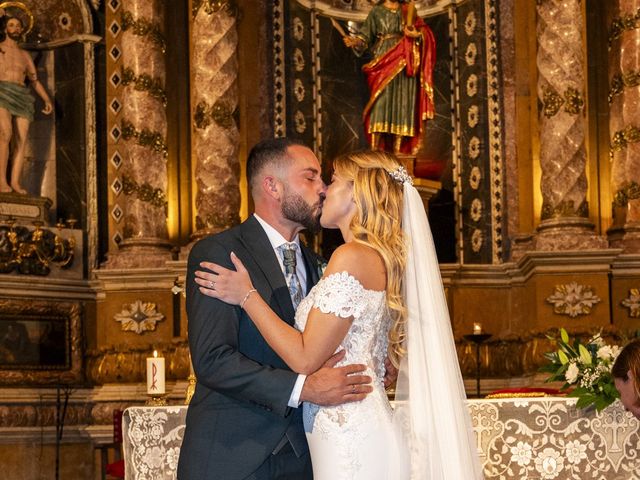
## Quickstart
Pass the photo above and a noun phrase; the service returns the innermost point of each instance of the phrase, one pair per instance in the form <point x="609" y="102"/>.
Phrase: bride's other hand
<point x="227" y="285"/>
<point x="390" y="373"/>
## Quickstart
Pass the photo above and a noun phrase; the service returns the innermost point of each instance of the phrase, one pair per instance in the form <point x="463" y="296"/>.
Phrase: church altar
<point x="518" y="438"/>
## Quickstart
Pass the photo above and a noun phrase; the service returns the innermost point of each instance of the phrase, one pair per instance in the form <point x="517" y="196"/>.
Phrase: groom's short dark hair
<point x="271" y="150"/>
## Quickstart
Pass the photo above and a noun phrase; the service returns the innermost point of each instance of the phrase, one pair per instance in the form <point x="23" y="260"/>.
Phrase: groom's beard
<point x="296" y="209"/>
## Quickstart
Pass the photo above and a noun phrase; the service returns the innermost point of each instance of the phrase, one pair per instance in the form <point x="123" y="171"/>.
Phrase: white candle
<point x="155" y="374"/>
<point x="477" y="328"/>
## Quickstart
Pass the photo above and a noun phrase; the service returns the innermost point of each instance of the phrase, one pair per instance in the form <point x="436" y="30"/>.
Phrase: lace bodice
<point x="345" y="427"/>
<point x="343" y="295"/>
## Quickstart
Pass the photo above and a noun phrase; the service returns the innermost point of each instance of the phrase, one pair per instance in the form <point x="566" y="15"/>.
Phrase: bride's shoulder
<point x="360" y="261"/>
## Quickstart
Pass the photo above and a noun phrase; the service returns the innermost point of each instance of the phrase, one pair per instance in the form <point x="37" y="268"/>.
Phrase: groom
<point x="243" y="421"/>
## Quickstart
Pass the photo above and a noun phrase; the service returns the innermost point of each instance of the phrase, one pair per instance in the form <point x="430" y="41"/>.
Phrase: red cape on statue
<point x="414" y="59"/>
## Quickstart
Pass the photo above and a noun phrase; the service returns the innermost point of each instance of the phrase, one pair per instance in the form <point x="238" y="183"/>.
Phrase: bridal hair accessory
<point x="401" y="176"/>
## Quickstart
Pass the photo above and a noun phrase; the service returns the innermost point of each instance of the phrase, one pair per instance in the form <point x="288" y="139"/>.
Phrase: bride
<point x="380" y="294"/>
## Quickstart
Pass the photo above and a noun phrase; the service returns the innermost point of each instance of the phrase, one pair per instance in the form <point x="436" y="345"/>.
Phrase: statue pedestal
<point x="24" y="208"/>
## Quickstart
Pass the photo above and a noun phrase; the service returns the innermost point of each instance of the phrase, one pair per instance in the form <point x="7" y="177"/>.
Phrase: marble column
<point x="144" y="132"/>
<point x="624" y="125"/>
<point x="565" y="221"/>
<point x="214" y="103"/>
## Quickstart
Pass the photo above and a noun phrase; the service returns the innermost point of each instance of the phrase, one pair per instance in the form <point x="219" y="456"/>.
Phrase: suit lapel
<point x="259" y="248"/>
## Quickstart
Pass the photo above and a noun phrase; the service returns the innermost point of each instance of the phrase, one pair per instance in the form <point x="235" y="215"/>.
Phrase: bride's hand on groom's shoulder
<point x="230" y="286"/>
<point x="331" y="385"/>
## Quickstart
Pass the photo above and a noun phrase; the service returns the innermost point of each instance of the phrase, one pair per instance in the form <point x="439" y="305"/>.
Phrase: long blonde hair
<point x="378" y="224"/>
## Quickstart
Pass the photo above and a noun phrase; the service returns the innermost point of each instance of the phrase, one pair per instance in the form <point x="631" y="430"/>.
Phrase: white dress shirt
<point x="276" y="240"/>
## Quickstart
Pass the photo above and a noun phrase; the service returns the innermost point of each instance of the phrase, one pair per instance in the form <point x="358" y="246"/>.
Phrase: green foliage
<point x="585" y="369"/>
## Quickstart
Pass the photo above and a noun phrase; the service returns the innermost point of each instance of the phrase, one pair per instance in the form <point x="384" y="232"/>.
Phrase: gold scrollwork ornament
<point x="632" y="302"/>
<point x="573" y="299"/>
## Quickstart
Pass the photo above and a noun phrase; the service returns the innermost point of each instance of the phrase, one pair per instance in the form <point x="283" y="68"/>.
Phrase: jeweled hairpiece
<point x="400" y="175"/>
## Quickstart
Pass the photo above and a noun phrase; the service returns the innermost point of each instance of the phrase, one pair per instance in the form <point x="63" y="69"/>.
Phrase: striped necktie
<point x="288" y="251"/>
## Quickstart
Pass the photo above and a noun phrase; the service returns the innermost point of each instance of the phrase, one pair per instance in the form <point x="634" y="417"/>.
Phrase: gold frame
<point x="46" y="310"/>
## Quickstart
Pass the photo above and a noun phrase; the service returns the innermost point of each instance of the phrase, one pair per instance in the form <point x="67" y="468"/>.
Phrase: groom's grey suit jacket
<point x="238" y="414"/>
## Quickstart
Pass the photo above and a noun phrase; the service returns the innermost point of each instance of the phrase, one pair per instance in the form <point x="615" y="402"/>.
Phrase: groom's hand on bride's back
<point x="332" y="385"/>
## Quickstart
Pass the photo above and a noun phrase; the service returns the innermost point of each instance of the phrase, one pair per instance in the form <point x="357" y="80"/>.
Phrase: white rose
<point x="605" y="352"/>
<point x="615" y="351"/>
<point x="572" y="373"/>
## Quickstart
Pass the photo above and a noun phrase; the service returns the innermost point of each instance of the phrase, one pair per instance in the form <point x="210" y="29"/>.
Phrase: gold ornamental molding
<point x="573" y="299"/>
<point x="145" y="137"/>
<point x="139" y="317"/>
<point x="144" y="28"/>
<point x="32" y="252"/>
<point x="54" y="357"/>
<point x="127" y="364"/>
<point x="622" y="24"/>
<point x="214" y="6"/>
<point x="629" y="191"/>
<point x="621" y="81"/>
<point x="552" y="102"/>
<point x="565" y="209"/>
<point x="144" y="192"/>
<point x="144" y="83"/>
<point x="632" y="302"/>
<point x="622" y="138"/>
<point x="219" y="113"/>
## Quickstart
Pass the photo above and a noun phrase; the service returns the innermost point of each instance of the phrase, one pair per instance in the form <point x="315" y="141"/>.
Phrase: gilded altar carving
<point x="573" y="299"/>
<point x="632" y="302"/>
<point x="128" y="364"/>
<point x="32" y="252"/>
<point x="139" y="317"/>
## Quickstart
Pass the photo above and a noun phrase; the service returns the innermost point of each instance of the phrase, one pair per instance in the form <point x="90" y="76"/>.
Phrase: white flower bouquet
<point x="585" y="369"/>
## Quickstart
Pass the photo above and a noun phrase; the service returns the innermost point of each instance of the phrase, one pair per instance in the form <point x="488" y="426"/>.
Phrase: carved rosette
<point x="632" y="302"/>
<point x="561" y="92"/>
<point x="139" y="317"/>
<point x="573" y="299"/>
<point x="624" y="123"/>
<point x="214" y="102"/>
<point x="144" y="124"/>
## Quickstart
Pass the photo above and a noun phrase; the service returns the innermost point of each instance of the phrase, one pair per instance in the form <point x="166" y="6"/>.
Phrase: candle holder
<point x="156" y="400"/>
<point x="191" y="389"/>
<point x="478" y="339"/>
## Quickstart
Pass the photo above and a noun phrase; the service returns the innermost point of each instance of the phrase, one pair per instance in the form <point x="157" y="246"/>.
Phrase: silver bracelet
<point x="246" y="297"/>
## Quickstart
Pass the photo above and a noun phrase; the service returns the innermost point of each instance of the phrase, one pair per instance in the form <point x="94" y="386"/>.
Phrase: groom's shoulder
<point x="220" y="240"/>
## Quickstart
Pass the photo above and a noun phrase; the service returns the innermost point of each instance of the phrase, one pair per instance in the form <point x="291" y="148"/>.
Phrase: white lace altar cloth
<point x="518" y="438"/>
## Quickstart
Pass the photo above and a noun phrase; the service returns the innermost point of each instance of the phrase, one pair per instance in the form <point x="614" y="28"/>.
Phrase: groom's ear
<point x="271" y="187"/>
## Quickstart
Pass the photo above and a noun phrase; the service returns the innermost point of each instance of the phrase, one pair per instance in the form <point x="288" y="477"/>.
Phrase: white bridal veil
<point x="430" y="399"/>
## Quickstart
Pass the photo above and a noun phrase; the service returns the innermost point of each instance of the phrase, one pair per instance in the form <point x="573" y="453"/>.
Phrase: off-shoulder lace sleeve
<point x="340" y="294"/>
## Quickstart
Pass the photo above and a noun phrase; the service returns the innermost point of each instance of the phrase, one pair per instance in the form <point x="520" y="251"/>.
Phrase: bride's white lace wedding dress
<point x="354" y="441"/>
